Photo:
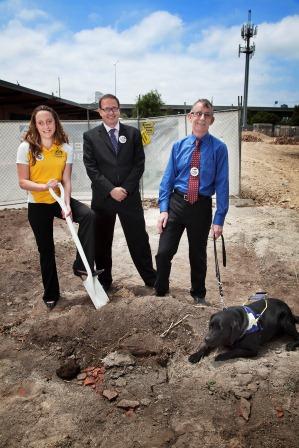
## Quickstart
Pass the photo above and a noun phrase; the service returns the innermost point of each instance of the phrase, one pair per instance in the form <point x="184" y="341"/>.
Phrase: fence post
<point x="141" y="187"/>
<point x="185" y="112"/>
<point x="88" y="124"/>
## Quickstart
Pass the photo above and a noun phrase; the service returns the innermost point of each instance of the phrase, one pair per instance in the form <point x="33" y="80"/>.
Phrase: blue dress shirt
<point x="213" y="173"/>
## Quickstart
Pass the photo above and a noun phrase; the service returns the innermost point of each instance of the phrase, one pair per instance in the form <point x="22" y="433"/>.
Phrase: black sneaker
<point x="51" y="303"/>
<point x="106" y="286"/>
<point x="200" y="300"/>
<point x="83" y="273"/>
<point x="160" y="293"/>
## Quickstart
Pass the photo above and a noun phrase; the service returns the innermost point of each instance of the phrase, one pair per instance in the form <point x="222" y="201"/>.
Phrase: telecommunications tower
<point x="247" y="32"/>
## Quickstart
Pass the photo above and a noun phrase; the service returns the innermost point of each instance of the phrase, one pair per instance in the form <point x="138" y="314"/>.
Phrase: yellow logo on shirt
<point x="59" y="153"/>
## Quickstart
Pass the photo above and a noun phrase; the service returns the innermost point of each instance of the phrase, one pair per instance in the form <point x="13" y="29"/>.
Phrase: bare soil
<point x="241" y="403"/>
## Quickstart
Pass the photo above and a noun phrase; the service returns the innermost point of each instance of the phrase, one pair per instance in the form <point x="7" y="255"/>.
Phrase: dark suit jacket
<point x="105" y="169"/>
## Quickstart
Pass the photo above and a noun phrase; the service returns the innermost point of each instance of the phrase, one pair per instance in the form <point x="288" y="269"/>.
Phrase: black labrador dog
<point x="245" y="328"/>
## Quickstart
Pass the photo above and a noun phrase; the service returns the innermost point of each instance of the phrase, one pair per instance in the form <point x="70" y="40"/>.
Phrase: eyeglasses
<point x="200" y="114"/>
<point x="110" y="109"/>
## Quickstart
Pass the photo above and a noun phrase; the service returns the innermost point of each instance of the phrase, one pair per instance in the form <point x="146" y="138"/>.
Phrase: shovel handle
<point x="60" y="199"/>
<point x="61" y="202"/>
<point x="92" y="285"/>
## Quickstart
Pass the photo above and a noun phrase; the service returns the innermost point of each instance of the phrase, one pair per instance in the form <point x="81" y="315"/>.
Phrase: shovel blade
<point x="95" y="291"/>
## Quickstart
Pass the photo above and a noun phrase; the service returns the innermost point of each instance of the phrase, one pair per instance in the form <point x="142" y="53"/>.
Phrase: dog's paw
<point x="291" y="346"/>
<point x="222" y="357"/>
<point x="196" y="357"/>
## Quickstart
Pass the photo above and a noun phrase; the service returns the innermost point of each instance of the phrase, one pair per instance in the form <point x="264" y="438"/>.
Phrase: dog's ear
<point x="235" y="332"/>
<point x="212" y="318"/>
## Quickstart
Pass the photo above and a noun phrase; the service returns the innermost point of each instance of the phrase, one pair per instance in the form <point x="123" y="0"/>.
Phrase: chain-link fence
<point x="158" y="135"/>
<point x="277" y="130"/>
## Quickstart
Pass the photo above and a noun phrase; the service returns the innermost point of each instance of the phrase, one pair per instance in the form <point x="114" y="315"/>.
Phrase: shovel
<point x="91" y="284"/>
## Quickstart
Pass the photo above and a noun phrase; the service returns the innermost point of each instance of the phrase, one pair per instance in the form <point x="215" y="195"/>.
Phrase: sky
<point x="184" y="49"/>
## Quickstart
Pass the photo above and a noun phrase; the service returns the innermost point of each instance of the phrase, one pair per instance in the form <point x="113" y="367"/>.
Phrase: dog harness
<point x="253" y="318"/>
<point x="258" y="296"/>
<point x="253" y="321"/>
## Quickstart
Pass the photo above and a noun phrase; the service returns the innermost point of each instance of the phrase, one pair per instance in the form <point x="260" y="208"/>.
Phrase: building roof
<point x="17" y="103"/>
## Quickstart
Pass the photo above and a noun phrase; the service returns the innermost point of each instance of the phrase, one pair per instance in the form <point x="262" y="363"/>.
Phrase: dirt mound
<point x="285" y="141"/>
<point x="136" y="387"/>
<point x="270" y="174"/>
<point x="251" y="137"/>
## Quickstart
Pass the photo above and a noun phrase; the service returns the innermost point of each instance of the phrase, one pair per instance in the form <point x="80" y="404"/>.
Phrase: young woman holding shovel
<point x="45" y="158"/>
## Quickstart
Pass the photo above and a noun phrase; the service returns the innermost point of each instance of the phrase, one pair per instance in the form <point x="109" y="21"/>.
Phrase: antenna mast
<point x="248" y="31"/>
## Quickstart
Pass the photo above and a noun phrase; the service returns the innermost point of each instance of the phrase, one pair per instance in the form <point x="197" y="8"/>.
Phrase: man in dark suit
<point x="113" y="156"/>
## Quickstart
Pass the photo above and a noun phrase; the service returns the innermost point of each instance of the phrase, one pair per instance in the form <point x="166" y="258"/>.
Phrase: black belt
<point x="184" y="195"/>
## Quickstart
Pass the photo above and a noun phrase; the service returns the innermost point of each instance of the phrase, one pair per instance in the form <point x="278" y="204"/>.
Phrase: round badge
<point x="194" y="171"/>
<point x="122" y="139"/>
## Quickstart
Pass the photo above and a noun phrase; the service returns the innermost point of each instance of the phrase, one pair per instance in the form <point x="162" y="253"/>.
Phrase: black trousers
<point x="196" y="219"/>
<point x="41" y="217"/>
<point x="131" y="216"/>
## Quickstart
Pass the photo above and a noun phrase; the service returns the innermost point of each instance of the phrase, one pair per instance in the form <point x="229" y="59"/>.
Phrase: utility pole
<point x="115" y="77"/>
<point x="59" y="95"/>
<point x="247" y="32"/>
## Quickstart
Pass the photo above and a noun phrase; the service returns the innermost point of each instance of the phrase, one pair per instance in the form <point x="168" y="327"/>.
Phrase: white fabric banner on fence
<point x="158" y="135"/>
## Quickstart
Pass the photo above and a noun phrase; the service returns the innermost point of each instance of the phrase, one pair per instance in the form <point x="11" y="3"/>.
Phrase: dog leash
<point x="217" y="270"/>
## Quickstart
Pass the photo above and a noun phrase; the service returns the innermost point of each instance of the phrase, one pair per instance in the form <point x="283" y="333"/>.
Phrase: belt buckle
<point x="185" y="197"/>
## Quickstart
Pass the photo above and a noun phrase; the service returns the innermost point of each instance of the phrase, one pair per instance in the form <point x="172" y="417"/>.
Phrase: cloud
<point x="160" y="28"/>
<point x="217" y="42"/>
<point x="10" y="6"/>
<point x="156" y="52"/>
<point x="280" y="39"/>
<point x="31" y="14"/>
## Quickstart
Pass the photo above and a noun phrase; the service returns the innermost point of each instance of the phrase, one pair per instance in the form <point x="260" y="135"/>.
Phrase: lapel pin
<point x="122" y="139"/>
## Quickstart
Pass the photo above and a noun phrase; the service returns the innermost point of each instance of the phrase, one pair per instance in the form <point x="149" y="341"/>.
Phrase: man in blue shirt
<point x="178" y="212"/>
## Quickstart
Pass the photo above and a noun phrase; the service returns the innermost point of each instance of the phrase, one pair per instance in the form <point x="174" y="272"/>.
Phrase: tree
<point x="294" y="120"/>
<point x="265" y="117"/>
<point x="149" y="105"/>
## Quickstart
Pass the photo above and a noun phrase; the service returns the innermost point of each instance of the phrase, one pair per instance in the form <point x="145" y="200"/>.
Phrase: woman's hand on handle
<point x="52" y="183"/>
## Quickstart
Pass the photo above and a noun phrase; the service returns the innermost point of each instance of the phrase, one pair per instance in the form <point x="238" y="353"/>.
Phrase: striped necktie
<point x="193" y="183"/>
<point x="113" y="140"/>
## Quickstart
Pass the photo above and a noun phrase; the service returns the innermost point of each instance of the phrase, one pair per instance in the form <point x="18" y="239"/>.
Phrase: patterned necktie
<point x="193" y="183"/>
<point x="113" y="140"/>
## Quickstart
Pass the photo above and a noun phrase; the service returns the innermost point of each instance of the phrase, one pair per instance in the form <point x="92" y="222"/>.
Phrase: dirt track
<point x="236" y="404"/>
<point x="271" y="175"/>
